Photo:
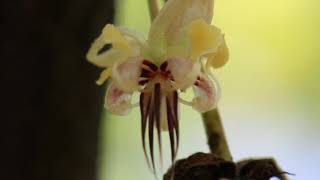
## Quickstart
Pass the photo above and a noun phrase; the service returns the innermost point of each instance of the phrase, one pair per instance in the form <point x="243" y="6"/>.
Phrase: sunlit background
<point x="271" y="90"/>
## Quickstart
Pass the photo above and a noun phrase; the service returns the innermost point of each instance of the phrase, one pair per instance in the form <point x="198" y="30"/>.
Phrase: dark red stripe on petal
<point x="170" y="118"/>
<point x="150" y="65"/>
<point x="143" y="82"/>
<point x="151" y="127"/>
<point x="145" y="100"/>
<point x="157" y="105"/>
<point x="170" y="76"/>
<point x="175" y="109"/>
<point x="145" y="73"/>
<point x="163" y="66"/>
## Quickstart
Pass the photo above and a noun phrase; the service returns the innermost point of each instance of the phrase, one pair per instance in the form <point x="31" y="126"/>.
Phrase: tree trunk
<point x="51" y="105"/>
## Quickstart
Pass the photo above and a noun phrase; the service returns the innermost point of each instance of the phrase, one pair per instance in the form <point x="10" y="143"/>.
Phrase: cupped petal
<point x="206" y="96"/>
<point x="219" y="58"/>
<point x="184" y="71"/>
<point x="172" y="18"/>
<point x="122" y="47"/>
<point x="135" y="35"/>
<point x="204" y="38"/>
<point x="112" y="35"/>
<point x="126" y="74"/>
<point x="117" y="101"/>
<point x="108" y="58"/>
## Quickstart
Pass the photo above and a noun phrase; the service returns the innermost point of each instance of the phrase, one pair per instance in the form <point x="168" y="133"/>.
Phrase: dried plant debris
<point x="260" y="169"/>
<point x="202" y="166"/>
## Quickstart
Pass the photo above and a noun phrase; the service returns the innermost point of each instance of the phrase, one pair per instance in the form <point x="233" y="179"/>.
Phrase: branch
<point x="153" y="8"/>
<point x="215" y="133"/>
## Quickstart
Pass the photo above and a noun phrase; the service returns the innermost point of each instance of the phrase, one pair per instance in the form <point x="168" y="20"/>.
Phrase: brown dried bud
<point x="260" y="169"/>
<point x="201" y="166"/>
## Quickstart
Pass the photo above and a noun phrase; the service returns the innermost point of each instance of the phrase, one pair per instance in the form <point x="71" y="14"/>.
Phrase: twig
<point x="215" y="133"/>
<point x="153" y="8"/>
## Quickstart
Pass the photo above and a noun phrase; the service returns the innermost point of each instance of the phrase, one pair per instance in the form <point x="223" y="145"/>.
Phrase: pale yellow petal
<point x="113" y="36"/>
<point x="174" y="16"/>
<point x="206" y="97"/>
<point x="122" y="47"/>
<point x="117" y="101"/>
<point x="108" y="58"/>
<point x="184" y="71"/>
<point x="137" y="36"/>
<point x="105" y="74"/>
<point x="219" y="58"/>
<point x="204" y="38"/>
<point x="127" y="73"/>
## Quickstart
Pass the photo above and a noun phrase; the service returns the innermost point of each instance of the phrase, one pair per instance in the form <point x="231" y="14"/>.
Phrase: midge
<point x="179" y="53"/>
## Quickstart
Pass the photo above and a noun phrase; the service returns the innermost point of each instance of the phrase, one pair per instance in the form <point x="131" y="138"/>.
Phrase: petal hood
<point x="117" y="101"/>
<point x="172" y="18"/>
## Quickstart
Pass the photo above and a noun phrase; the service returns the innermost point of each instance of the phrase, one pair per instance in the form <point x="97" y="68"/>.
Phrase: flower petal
<point x="108" y="58"/>
<point x="105" y="74"/>
<point x="112" y="35"/>
<point x="117" y="101"/>
<point x="184" y="71"/>
<point x="122" y="47"/>
<point x="126" y="74"/>
<point x="219" y="58"/>
<point x="205" y="94"/>
<point x="174" y="16"/>
<point x="137" y="36"/>
<point x="204" y="38"/>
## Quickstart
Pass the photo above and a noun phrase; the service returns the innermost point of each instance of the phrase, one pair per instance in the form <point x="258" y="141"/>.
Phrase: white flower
<point x="163" y="66"/>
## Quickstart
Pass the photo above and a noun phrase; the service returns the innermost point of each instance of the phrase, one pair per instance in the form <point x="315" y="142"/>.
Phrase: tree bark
<point x="51" y="106"/>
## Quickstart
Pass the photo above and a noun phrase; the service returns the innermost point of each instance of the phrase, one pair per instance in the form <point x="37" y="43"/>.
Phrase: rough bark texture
<point x="51" y="106"/>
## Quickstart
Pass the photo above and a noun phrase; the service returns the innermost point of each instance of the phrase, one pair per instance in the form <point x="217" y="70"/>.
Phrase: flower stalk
<point x="217" y="141"/>
<point x="153" y="8"/>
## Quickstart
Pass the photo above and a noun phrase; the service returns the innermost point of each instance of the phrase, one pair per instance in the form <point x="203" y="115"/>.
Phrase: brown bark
<point x="51" y="106"/>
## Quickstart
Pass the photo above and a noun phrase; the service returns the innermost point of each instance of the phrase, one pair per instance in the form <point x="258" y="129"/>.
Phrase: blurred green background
<point x="271" y="90"/>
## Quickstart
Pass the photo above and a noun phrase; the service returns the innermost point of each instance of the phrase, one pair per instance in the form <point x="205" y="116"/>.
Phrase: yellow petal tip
<point x="205" y="38"/>
<point x="219" y="58"/>
<point x="104" y="76"/>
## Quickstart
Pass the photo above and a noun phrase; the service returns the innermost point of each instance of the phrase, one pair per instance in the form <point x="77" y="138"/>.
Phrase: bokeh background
<point x="271" y="90"/>
<point x="53" y="126"/>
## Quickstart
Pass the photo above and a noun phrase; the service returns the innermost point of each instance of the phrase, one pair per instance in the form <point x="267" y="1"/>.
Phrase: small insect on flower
<point x="170" y="61"/>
